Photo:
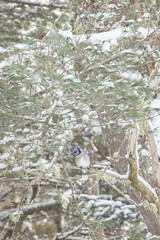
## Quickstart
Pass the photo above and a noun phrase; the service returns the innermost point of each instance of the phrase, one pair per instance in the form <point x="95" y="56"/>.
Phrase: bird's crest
<point x="76" y="151"/>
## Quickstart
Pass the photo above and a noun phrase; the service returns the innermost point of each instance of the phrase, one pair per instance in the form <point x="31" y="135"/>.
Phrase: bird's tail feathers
<point x="84" y="174"/>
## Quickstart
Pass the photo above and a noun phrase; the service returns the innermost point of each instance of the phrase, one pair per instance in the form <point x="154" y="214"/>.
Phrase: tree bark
<point x="144" y="193"/>
<point x="154" y="155"/>
<point x="93" y="189"/>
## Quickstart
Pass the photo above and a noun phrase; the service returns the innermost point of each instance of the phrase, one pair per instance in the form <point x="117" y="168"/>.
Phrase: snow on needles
<point x="106" y="38"/>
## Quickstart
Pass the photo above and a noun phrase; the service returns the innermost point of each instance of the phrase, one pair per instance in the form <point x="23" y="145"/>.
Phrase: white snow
<point x="127" y="211"/>
<point x="117" y="204"/>
<point x="15" y="169"/>
<point x="103" y="212"/>
<point x="66" y="34"/>
<point x="5" y="156"/>
<point x="40" y="1"/>
<point x="90" y="204"/>
<point x="143" y="31"/>
<point x="104" y="203"/>
<point x="111" y="218"/>
<point x="107" y="39"/>
<point x="6" y="139"/>
<point x="117" y="175"/>
<point x="2" y="50"/>
<point x="2" y="165"/>
<point x="85" y="118"/>
<point x="144" y="152"/>
<point x="89" y="197"/>
<point x="146" y="15"/>
<point x="106" y="36"/>
<point x="117" y="212"/>
<point x="147" y="185"/>
<point x="131" y="75"/>
<point x="20" y="46"/>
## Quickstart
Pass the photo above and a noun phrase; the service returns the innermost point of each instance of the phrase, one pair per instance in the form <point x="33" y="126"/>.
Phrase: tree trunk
<point x="93" y="189"/>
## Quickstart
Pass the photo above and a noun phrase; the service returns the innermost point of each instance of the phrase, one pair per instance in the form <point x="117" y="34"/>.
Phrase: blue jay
<point x="82" y="160"/>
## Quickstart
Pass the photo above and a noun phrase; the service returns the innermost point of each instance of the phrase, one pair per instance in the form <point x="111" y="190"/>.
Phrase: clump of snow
<point x="85" y="118"/>
<point x="2" y="50"/>
<point x="6" y="139"/>
<point x="5" y="156"/>
<point x="106" y="36"/>
<point x="15" y="169"/>
<point x="107" y="39"/>
<point x="146" y="15"/>
<point x="147" y="185"/>
<point x="64" y="201"/>
<point x="2" y="166"/>
<point x="144" y="152"/>
<point x="90" y="204"/>
<point x="104" y="209"/>
<point x="143" y="31"/>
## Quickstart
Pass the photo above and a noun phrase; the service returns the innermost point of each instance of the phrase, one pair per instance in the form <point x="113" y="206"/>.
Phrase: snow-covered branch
<point x="30" y="209"/>
<point x="136" y="181"/>
<point x="37" y="3"/>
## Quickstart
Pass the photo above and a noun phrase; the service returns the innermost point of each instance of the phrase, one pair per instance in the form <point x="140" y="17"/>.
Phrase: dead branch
<point x="63" y="236"/>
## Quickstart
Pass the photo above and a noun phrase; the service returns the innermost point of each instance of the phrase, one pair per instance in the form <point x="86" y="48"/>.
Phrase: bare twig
<point x="62" y="236"/>
<point x="114" y="57"/>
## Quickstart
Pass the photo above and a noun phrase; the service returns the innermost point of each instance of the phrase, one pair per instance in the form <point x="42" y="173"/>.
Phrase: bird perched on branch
<point x="82" y="160"/>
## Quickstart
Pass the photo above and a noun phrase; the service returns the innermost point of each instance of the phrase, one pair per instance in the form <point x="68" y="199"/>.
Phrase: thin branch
<point x="67" y="234"/>
<point x="45" y="206"/>
<point x="25" y="118"/>
<point x="114" y="57"/>
<point x="30" y="209"/>
<point x="152" y="33"/>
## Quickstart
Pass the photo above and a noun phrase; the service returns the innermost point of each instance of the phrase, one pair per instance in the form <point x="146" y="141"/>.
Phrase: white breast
<point x="82" y="160"/>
